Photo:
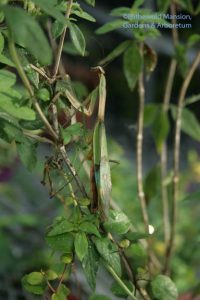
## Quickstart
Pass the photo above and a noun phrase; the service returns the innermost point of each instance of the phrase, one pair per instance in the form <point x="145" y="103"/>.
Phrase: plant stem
<point x="28" y="86"/>
<point x="141" y="195"/>
<point x="120" y="282"/>
<point x="181" y="98"/>
<point x="163" y="155"/>
<point x="61" y="42"/>
<point x="72" y="171"/>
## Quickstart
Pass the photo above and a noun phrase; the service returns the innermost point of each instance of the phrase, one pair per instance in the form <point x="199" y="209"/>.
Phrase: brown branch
<point x="181" y="98"/>
<point x="141" y="92"/>
<point x="62" y="39"/>
<point x="163" y="155"/>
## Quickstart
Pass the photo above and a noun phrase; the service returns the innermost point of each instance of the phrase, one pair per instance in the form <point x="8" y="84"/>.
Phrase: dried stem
<point x="141" y="195"/>
<point x="181" y="98"/>
<point x="62" y="38"/>
<point x="163" y="155"/>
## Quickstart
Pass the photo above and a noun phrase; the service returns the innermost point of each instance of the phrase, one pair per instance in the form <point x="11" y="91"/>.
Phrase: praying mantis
<point x="100" y="169"/>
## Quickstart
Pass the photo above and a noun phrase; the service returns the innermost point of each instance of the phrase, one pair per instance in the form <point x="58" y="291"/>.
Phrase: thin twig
<point x="28" y="86"/>
<point x="72" y="171"/>
<point x="163" y="155"/>
<point x="37" y="137"/>
<point x="61" y="278"/>
<point x="181" y="98"/>
<point x="62" y="38"/>
<point x="141" y="195"/>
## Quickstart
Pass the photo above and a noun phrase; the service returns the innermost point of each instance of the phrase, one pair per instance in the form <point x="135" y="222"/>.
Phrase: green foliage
<point x="27" y="33"/>
<point x="163" y="288"/>
<point x="118" y="223"/>
<point x="132" y="65"/>
<point x="77" y="38"/>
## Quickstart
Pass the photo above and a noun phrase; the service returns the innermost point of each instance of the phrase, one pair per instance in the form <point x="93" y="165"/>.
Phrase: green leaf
<point x="163" y="288"/>
<point x="117" y="223"/>
<point x="61" y="293"/>
<point x="150" y="58"/>
<point x="91" y="2"/>
<point x="81" y="245"/>
<point x="7" y="80"/>
<point x="137" y="254"/>
<point x="28" y="33"/>
<point x="96" y="144"/>
<point x="1" y="42"/>
<point x="28" y="155"/>
<point x="160" y="129"/>
<point x="163" y="5"/>
<point x="150" y="113"/>
<point x="69" y="48"/>
<point x="62" y="242"/>
<point x="132" y="64"/>
<point x="77" y="38"/>
<point x="89" y="228"/>
<point x="60" y="227"/>
<point x="6" y="61"/>
<point x="43" y="94"/>
<point x="35" y="278"/>
<point x="189" y="123"/>
<point x="48" y="7"/>
<point x="90" y="265"/>
<point x="66" y="258"/>
<point x="115" y="53"/>
<point x="118" y="291"/>
<point x="181" y="57"/>
<point x="35" y="289"/>
<point x="84" y="15"/>
<point x="57" y="29"/>
<point x="192" y="99"/>
<point x="51" y="275"/>
<point x="152" y="182"/>
<point x="120" y="11"/>
<point x="110" y="26"/>
<point x="135" y="236"/>
<point x="99" y="297"/>
<point x="193" y="39"/>
<point x="109" y="252"/>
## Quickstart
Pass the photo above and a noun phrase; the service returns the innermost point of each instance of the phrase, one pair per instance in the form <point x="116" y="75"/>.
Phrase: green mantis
<point x="100" y="161"/>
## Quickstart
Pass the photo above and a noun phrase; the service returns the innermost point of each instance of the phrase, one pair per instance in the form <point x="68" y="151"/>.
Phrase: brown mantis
<point x="100" y="163"/>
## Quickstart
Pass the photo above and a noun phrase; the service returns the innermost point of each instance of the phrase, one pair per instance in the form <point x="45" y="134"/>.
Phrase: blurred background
<point x="25" y="207"/>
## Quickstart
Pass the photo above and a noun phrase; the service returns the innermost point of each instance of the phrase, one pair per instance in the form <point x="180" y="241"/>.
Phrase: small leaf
<point x="118" y="291"/>
<point x="61" y="293"/>
<point x="35" y="289"/>
<point x="35" y="278"/>
<point x="57" y="29"/>
<point x="81" y="245"/>
<point x="51" y="275"/>
<point x="43" y="94"/>
<point x="60" y="227"/>
<point x="189" y="123"/>
<point x="84" y="15"/>
<point x="150" y="113"/>
<point x="62" y="242"/>
<point x="89" y="228"/>
<point x="28" y="33"/>
<point x="48" y="7"/>
<point x="6" y="61"/>
<point x="109" y="253"/>
<point x="163" y="288"/>
<point x="77" y="38"/>
<point x="7" y="80"/>
<point x="90" y="265"/>
<point x="69" y="48"/>
<point x="110" y="26"/>
<point x="132" y="64"/>
<point x="66" y="258"/>
<point x="120" y="11"/>
<point x="135" y="236"/>
<point x="1" y="42"/>
<point x="160" y="129"/>
<point x="117" y="223"/>
<point x="91" y="2"/>
<point x="193" y="39"/>
<point x="27" y="154"/>
<point x="150" y="58"/>
<point x="115" y="53"/>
